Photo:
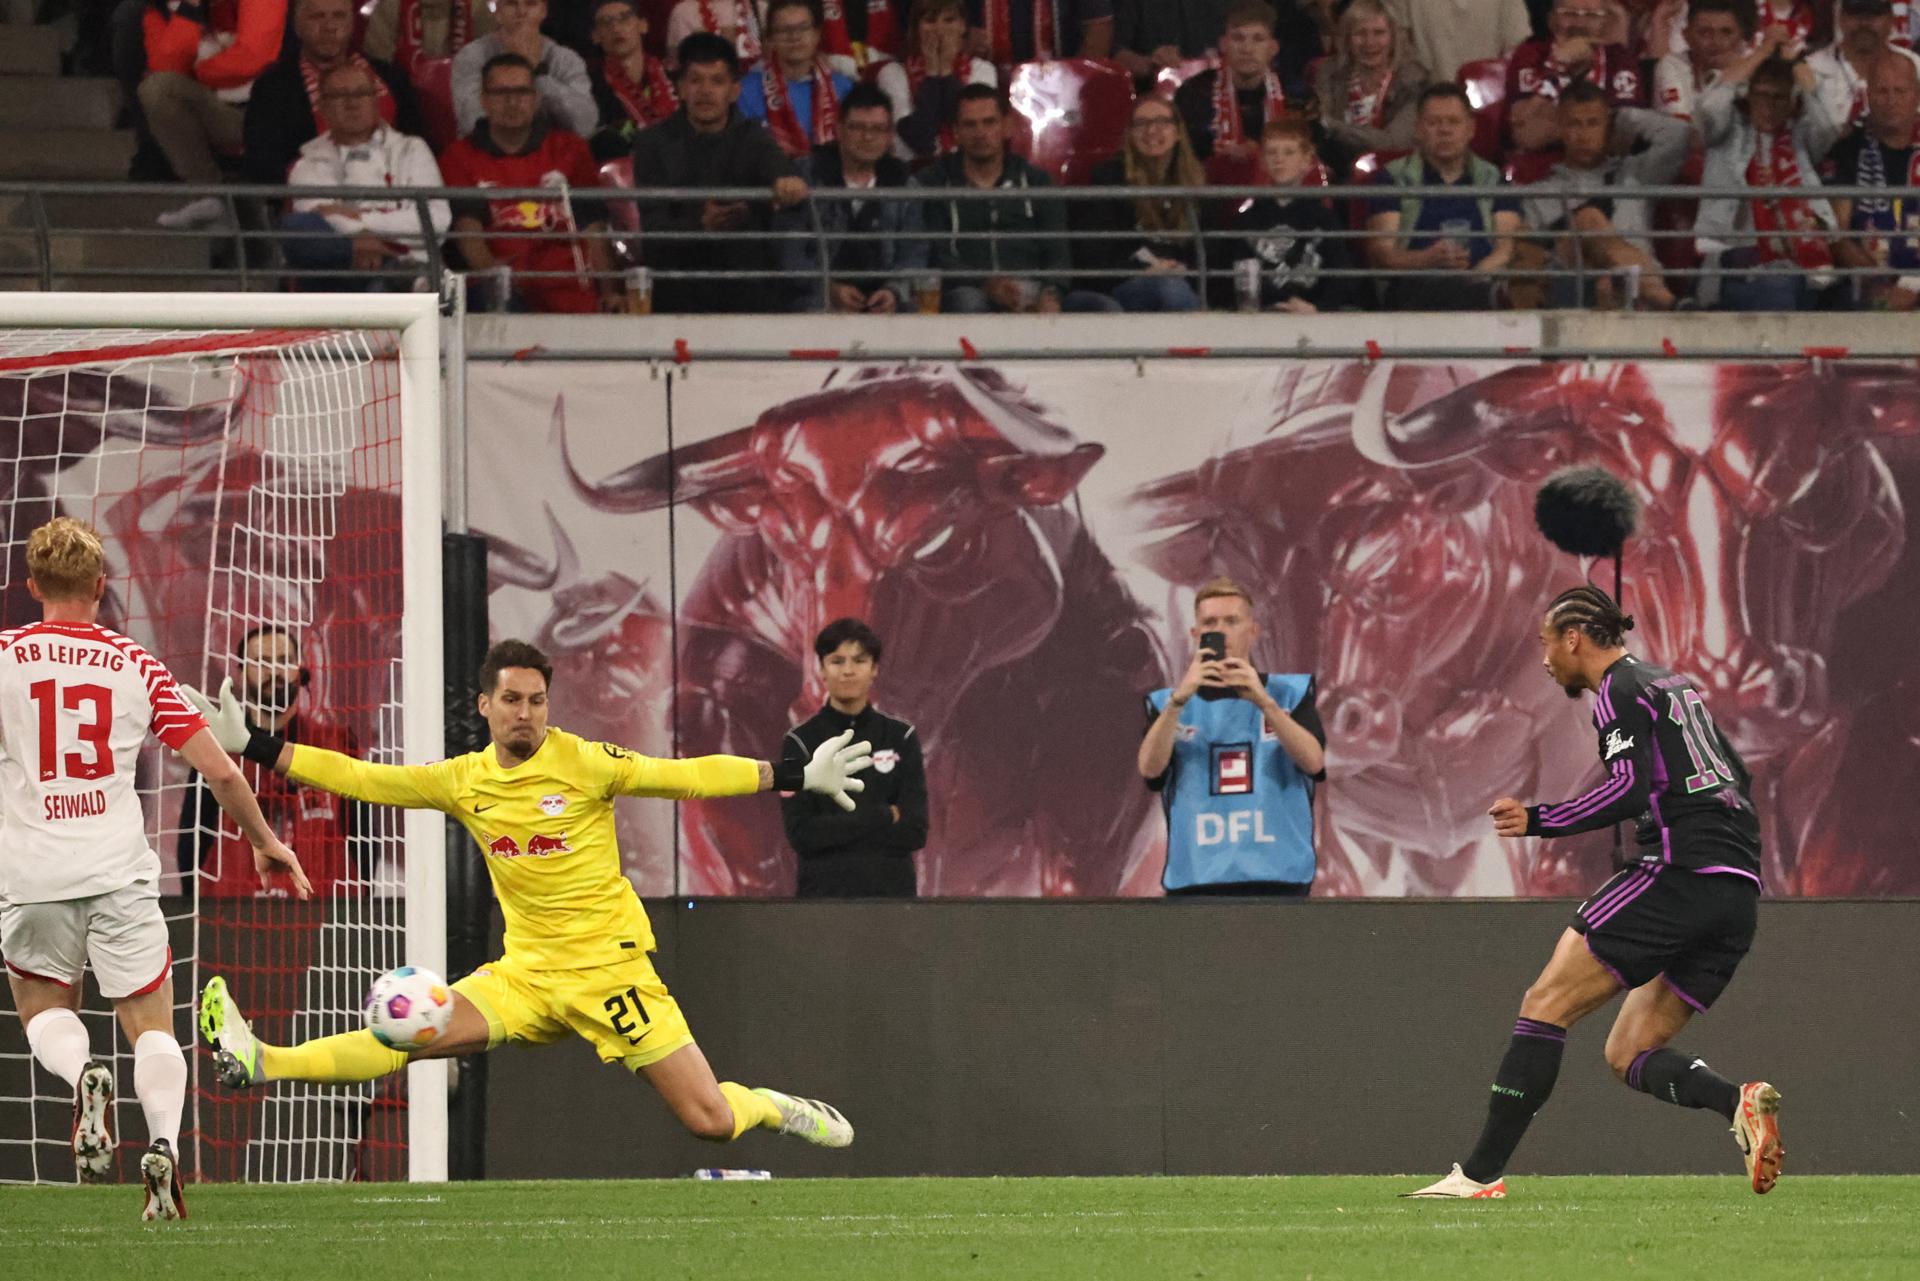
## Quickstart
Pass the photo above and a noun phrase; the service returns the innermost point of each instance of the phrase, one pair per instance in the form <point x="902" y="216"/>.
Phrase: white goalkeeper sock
<point x="59" y="1041"/>
<point x="160" y="1079"/>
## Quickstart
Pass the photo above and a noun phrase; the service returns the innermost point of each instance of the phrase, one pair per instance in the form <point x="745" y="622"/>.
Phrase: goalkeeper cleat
<point x="810" y="1119"/>
<point x="1756" y="1128"/>
<point x="1457" y="1186"/>
<point x="161" y="1174"/>
<point x="93" y="1123"/>
<point x="236" y="1055"/>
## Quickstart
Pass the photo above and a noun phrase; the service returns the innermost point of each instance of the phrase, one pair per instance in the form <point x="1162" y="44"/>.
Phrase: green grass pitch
<point x="1330" y="1229"/>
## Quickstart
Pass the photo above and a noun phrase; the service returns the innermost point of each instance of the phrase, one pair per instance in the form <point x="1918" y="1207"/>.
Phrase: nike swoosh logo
<point x="481" y="809"/>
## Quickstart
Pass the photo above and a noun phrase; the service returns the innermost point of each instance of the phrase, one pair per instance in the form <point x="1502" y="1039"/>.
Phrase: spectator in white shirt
<point x="1717" y="33"/>
<point x="360" y="150"/>
<point x="1863" y="30"/>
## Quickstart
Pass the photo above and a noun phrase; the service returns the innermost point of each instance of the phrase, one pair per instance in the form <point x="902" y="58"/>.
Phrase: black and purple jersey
<point x="1669" y="767"/>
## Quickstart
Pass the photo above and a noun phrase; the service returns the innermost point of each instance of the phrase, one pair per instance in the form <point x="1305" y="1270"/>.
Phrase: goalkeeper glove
<point x="829" y="770"/>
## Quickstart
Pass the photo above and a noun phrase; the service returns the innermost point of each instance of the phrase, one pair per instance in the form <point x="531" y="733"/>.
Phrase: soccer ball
<point x="408" y="1008"/>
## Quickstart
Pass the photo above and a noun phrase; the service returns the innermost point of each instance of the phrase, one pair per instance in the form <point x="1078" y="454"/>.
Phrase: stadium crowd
<point x="1546" y="115"/>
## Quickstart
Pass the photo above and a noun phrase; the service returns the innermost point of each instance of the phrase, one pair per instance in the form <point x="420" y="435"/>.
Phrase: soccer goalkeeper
<point x="539" y="801"/>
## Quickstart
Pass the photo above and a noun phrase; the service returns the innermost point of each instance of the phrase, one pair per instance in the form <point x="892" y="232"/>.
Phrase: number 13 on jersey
<point x="95" y="729"/>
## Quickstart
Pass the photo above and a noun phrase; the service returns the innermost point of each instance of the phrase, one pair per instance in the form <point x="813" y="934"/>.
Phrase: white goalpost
<point x="255" y="463"/>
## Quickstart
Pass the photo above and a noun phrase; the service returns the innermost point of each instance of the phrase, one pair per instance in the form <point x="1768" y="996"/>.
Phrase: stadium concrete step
<point x="180" y="261"/>
<point x="31" y="51"/>
<point x="75" y="154"/>
<point x="58" y="102"/>
<point x="88" y="212"/>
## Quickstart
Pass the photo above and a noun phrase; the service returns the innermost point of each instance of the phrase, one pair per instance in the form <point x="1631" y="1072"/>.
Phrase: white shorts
<point x="122" y="933"/>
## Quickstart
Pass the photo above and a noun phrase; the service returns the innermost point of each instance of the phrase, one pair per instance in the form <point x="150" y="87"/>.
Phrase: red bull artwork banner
<point x="1026" y="540"/>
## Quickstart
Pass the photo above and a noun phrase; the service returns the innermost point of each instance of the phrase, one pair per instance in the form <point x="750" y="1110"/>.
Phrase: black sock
<point x="1520" y="1088"/>
<point x="1673" y="1077"/>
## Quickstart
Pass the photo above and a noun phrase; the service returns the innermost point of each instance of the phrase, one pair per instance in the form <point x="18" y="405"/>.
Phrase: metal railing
<point x="248" y="250"/>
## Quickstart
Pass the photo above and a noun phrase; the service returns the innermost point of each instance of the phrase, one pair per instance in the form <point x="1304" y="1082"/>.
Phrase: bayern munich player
<point x="78" y="881"/>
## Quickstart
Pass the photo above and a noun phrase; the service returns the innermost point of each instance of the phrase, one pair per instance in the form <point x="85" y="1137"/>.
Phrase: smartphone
<point x="1214" y="644"/>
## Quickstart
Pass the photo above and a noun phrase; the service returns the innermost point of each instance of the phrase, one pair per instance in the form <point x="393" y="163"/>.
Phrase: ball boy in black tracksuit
<point x="868" y="852"/>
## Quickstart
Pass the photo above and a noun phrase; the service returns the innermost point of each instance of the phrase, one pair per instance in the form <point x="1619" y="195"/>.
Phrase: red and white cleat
<point x="161" y="1174"/>
<point x="1457" y="1186"/>
<point x="1756" y="1128"/>
<point x="93" y="1123"/>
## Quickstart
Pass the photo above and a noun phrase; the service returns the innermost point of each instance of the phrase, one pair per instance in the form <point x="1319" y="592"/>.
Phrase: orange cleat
<point x="1458" y="1187"/>
<point x="1756" y="1128"/>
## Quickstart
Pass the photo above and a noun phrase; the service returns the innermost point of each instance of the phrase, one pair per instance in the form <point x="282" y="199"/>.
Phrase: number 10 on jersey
<point x="1689" y="712"/>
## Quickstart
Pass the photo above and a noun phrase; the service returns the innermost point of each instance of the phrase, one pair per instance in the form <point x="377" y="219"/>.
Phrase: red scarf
<point x="780" y="114"/>
<point x="310" y="76"/>
<point x="1368" y="110"/>
<point x="410" y="42"/>
<point x="748" y="41"/>
<point x="1799" y="21"/>
<point x="917" y="72"/>
<point x="1797" y="233"/>
<point x="645" y="104"/>
<point x="1000" y="31"/>
<point x="1226" y="106"/>
<point x="835" y="38"/>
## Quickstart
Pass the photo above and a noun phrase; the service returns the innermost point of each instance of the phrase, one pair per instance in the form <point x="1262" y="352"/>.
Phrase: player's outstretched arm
<point x="828" y="773"/>
<point x="405" y="786"/>
<point x="270" y="857"/>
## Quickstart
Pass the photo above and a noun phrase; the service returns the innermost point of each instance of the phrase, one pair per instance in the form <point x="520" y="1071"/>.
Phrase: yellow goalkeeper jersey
<point x="546" y="828"/>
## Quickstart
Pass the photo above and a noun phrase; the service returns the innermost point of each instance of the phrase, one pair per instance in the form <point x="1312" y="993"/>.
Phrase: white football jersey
<point x="77" y="702"/>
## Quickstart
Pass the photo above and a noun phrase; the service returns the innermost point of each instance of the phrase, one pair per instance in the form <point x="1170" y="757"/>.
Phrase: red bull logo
<point x="537" y="846"/>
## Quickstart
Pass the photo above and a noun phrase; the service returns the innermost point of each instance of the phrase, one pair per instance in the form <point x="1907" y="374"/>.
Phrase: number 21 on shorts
<point x="624" y="1007"/>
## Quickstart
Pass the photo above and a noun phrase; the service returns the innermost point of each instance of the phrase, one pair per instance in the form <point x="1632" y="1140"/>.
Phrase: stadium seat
<point x="1679" y="253"/>
<point x="1486" y="84"/>
<point x="1075" y="114"/>
<point x="433" y="83"/>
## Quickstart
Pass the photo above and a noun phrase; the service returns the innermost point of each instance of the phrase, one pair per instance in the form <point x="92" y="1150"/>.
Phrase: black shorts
<point x="1663" y="921"/>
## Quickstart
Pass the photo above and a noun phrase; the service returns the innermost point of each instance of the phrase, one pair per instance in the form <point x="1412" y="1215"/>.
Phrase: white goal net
<point x="269" y="498"/>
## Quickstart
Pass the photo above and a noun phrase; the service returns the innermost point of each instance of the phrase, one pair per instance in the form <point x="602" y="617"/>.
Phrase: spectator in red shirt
<point x="510" y="147"/>
<point x="201" y="62"/>
<point x="1540" y="69"/>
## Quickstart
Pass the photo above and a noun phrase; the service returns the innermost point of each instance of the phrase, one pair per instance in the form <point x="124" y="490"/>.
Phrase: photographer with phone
<point x="1235" y="754"/>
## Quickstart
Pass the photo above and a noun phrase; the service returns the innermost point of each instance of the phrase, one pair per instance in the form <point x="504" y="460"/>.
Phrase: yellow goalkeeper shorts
<point x="624" y="1010"/>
